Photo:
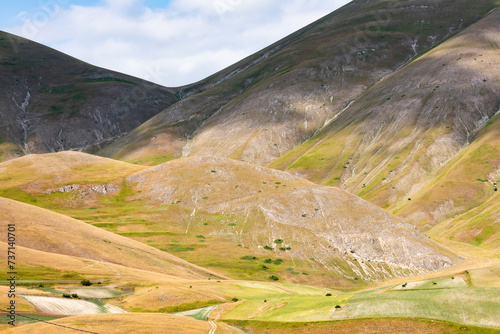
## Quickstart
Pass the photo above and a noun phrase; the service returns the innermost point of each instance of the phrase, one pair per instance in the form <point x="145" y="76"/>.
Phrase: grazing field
<point x="443" y="283"/>
<point x="100" y="292"/>
<point x="199" y="314"/>
<point x="465" y="305"/>
<point x="365" y="326"/>
<point x="62" y="306"/>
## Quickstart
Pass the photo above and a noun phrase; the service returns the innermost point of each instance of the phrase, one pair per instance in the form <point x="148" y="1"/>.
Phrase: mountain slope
<point x="221" y="213"/>
<point x="271" y="102"/>
<point x="52" y="102"/>
<point x="323" y="223"/>
<point x="396" y="142"/>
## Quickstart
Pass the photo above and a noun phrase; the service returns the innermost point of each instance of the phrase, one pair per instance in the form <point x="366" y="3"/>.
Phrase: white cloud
<point x="181" y="44"/>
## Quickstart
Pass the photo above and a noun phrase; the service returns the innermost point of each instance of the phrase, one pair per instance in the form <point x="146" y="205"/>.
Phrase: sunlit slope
<point x="52" y="102"/>
<point x="276" y="214"/>
<point x="271" y="102"/>
<point x="463" y="199"/>
<point x="46" y="231"/>
<point x="124" y="323"/>
<point x="391" y="143"/>
<point x="242" y="220"/>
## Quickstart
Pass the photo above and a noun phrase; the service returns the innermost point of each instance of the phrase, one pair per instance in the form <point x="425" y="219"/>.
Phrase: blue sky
<point x="171" y="42"/>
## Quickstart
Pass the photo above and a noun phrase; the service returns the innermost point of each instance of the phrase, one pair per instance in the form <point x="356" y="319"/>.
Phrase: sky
<point x="169" y="42"/>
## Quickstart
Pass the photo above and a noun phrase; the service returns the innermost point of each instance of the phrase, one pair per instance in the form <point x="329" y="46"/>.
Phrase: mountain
<point x="271" y="102"/>
<point x="52" y="102"/>
<point x="421" y="142"/>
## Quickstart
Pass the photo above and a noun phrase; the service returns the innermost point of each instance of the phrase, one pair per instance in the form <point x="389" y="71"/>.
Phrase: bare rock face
<point x="51" y="102"/>
<point x="340" y="231"/>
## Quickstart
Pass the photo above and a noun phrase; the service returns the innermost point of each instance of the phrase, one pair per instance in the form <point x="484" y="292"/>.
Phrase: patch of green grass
<point x="109" y="79"/>
<point x="31" y="272"/>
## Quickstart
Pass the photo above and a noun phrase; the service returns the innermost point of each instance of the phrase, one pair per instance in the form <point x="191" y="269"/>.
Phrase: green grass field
<point x="451" y="302"/>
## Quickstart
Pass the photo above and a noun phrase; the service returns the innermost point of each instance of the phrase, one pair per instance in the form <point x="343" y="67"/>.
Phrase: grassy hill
<point x="52" y="102"/>
<point x="242" y="220"/>
<point x="50" y="232"/>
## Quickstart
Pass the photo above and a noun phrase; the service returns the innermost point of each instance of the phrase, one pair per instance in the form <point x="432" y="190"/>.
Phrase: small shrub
<point x="337" y="306"/>
<point x="268" y="261"/>
<point x="268" y="248"/>
<point x="234" y="300"/>
<point x="282" y="249"/>
<point x="404" y="285"/>
<point x="86" y="282"/>
<point x="249" y="258"/>
<point x="278" y="241"/>
<point x="278" y="261"/>
<point x="263" y="267"/>
<point x="200" y="237"/>
<point x="328" y="294"/>
<point x="274" y="278"/>
<point x="206" y="197"/>
<point x="74" y="295"/>
<point x="66" y="295"/>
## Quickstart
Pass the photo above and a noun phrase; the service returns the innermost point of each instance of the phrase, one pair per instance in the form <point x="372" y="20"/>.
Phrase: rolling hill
<point x="229" y="216"/>
<point x="43" y="230"/>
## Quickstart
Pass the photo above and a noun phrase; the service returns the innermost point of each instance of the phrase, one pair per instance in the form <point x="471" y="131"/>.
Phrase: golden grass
<point x="44" y="230"/>
<point x="63" y="167"/>
<point x="119" y="324"/>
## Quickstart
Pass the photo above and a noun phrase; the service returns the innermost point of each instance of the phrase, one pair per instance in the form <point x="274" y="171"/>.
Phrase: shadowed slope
<point x="52" y="102"/>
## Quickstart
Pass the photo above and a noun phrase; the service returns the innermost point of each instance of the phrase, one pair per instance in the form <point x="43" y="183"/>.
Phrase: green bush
<point x="268" y="261"/>
<point x="86" y="282"/>
<point x="268" y="248"/>
<point x="274" y="278"/>
<point x="249" y="258"/>
<point x="337" y="306"/>
<point x="74" y="295"/>
<point x="66" y="295"/>
<point x="278" y="241"/>
<point x="234" y="300"/>
<point x="328" y="294"/>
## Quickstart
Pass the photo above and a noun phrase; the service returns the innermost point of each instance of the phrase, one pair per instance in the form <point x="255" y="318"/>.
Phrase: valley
<point x="344" y="179"/>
